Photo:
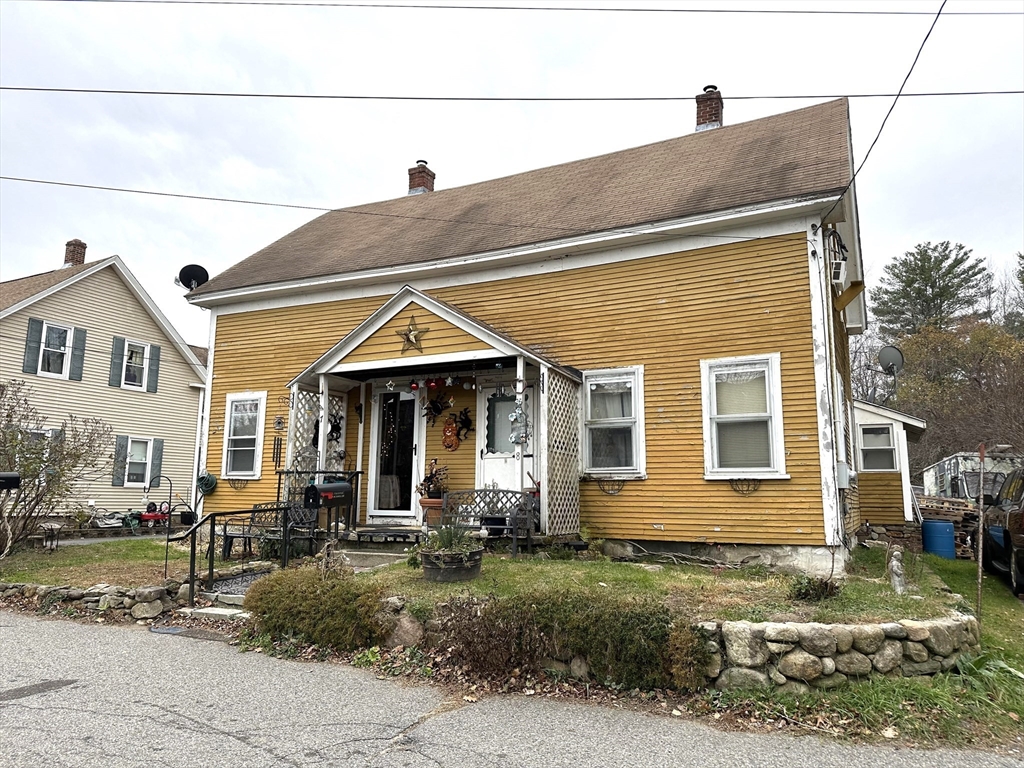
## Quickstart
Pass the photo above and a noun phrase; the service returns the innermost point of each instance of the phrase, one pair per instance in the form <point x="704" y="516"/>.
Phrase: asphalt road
<point x="91" y="695"/>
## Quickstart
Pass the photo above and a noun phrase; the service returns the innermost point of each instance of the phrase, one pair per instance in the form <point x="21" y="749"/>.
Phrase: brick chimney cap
<point x="76" y="241"/>
<point x="710" y="88"/>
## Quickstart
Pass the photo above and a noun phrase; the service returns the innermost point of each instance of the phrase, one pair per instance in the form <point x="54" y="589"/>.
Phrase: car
<point x="1003" y="550"/>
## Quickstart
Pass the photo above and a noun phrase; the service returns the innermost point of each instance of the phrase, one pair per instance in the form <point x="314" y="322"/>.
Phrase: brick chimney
<point x="709" y="109"/>
<point x="74" y="253"/>
<point x="421" y="179"/>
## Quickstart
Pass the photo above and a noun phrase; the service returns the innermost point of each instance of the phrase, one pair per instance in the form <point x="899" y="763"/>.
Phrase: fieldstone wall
<point x="798" y="657"/>
<point x="907" y="535"/>
<point x="140" y="603"/>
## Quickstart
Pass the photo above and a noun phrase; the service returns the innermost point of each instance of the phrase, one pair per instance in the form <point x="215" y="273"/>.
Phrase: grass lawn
<point x="126" y="563"/>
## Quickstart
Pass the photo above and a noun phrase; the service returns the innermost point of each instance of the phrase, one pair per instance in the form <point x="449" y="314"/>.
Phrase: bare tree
<point x="50" y="459"/>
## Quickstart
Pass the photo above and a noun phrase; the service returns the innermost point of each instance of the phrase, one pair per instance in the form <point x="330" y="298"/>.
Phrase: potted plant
<point x="435" y="482"/>
<point x="450" y="554"/>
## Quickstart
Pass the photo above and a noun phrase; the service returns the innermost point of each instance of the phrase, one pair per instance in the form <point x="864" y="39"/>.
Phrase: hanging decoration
<point x="412" y="336"/>
<point x="414" y="385"/>
<point x="450" y="440"/>
<point x="433" y="407"/>
<point x="465" y="424"/>
<point x="334" y="434"/>
<point x="431" y="383"/>
<point x="449" y="381"/>
<point x="391" y="386"/>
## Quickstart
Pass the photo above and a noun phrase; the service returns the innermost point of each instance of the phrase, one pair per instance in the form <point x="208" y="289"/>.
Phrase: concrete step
<point x="371" y="558"/>
<point x="215" y="613"/>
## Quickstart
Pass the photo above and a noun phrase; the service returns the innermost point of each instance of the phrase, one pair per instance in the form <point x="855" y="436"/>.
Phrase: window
<point x="613" y="423"/>
<point x="136" y="362"/>
<point x="742" y="404"/>
<point x="877" y="448"/>
<point x="54" y="352"/>
<point x="243" y="434"/>
<point x="138" y="461"/>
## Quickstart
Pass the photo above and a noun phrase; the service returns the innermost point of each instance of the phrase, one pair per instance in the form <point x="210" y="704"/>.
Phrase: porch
<point x="421" y="383"/>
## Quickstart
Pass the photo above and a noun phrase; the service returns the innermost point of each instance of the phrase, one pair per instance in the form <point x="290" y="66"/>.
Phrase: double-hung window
<point x="243" y="434"/>
<point x="613" y="407"/>
<point x="136" y="363"/>
<point x="139" y="457"/>
<point x="742" y="406"/>
<point x="55" y="351"/>
<point x="877" y="448"/>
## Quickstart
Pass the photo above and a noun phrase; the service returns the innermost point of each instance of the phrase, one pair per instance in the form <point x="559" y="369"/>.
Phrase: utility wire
<point x="324" y="96"/>
<point x="891" y="108"/>
<point x="439" y="6"/>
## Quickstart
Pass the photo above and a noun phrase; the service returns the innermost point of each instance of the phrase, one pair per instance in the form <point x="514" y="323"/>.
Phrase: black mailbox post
<point x="335" y="497"/>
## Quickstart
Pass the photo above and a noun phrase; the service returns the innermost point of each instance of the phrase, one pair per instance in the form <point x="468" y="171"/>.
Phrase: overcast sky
<point x="947" y="168"/>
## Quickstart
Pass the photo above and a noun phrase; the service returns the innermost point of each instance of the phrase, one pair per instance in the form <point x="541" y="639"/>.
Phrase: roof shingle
<point x="15" y="291"/>
<point x="796" y="154"/>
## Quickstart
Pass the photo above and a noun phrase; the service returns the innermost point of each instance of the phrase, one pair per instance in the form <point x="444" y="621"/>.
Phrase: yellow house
<point x="883" y="463"/>
<point x="656" y="338"/>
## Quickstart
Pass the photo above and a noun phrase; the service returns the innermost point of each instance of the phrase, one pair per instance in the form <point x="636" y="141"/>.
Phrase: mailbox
<point x="328" y="495"/>
<point x="9" y="481"/>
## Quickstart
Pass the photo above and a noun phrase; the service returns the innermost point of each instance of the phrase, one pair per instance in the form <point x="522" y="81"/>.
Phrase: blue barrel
<point x="937" y="536"/>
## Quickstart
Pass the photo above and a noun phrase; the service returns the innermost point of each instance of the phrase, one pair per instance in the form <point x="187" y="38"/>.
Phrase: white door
<point x="393" y="455"/>
<point x="497" y="465"/>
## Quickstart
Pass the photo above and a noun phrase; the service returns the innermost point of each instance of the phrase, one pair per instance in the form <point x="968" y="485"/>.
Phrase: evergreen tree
<point x="932" y="285"/>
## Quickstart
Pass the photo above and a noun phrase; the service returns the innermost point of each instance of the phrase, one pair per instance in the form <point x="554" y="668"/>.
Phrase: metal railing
<point x="211" y="520"/>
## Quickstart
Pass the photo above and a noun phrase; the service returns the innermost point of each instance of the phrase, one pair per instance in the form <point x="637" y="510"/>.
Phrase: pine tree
<point x="932" y="285"/>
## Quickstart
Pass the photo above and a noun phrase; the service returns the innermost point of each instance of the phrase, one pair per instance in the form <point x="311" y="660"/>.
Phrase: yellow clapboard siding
<point x="665" y="312"/>
<point x="881" y="497"/>
<point x="441" y="338"/>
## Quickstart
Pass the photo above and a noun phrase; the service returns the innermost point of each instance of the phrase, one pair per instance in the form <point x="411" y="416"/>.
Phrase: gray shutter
<point x="156" y="463"/>
<point x="33" y="340"/>
<point x="154" y="368"/>
<point x="117" y="361"/>
<point x="120" y="459"/>
<point x="77" y="355"/>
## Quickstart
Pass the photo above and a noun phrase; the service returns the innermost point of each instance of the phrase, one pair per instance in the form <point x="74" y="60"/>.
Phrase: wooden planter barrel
<point x="451" y="566"/>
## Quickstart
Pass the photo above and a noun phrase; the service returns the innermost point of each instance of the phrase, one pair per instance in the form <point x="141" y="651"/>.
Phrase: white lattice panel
<point x="305" y="411"/>
<point x="562" y="486"/>
<point x="335" y="448"/>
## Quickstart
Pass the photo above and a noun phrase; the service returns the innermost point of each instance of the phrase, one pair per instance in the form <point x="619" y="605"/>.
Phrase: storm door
<point x="496" y="465"/>
<point x="394" y="454"/>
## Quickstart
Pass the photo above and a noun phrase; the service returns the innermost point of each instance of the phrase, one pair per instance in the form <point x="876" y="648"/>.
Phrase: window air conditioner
<point x="839" y="275"/>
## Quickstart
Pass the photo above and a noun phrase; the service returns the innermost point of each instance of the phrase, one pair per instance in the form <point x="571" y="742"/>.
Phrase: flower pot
<point x="431" y="511"/>
<point x="451" y="566"/>
<point x="435" y="494"/>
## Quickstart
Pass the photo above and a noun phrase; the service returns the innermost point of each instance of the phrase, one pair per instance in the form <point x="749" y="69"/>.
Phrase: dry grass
<point x="127" y="562"/>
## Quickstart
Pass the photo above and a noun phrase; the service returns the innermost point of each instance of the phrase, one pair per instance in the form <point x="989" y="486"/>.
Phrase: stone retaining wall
<point x="140" y="603"/>
<point x="797" y="657"/>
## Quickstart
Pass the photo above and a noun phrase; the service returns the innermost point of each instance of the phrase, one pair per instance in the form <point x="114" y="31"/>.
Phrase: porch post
<point x="520" y="403"/>
<point x="540" y="443"/>
<point x="325" y="425"/>
<point x="359" y="448"/>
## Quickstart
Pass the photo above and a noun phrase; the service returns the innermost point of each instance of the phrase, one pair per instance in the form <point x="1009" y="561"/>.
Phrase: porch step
<point x="215" y="613"/>
<point x="372" y="558"/>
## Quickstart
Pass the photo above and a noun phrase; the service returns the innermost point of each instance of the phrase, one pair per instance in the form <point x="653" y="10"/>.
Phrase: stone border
<point x="140" y="602"/>
<point x="797" y="657"/>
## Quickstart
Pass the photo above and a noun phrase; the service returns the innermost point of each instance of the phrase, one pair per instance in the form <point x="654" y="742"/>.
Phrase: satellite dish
<point x="891" y="360"/>
<point x="192" y="276"/>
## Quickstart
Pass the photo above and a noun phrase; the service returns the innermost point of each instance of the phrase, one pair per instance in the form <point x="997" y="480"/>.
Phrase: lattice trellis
<point x="561" y="485"/>
<point x="305" y="412"/>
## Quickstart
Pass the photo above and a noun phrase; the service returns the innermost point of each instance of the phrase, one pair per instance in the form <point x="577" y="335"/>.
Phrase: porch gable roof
<point x="493" y="343"/>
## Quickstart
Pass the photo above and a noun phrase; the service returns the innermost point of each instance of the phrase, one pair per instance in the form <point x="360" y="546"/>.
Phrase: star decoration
<point x="449" y="381"/>
<point x="411" y="336"/>
<point x="391" y="386"/>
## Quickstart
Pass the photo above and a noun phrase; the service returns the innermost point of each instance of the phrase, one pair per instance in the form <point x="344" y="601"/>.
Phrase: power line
<point x="439" y="6"/>
<point x="356" y="97"/>
<point x="891" y="108"/>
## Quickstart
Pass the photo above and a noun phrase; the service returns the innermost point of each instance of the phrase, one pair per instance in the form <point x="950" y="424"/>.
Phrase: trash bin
<point x="937" y="537"/>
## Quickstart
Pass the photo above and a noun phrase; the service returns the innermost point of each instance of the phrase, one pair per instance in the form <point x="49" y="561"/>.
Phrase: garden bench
<point x="499" y="512"/>
<point x="265" y="524"/>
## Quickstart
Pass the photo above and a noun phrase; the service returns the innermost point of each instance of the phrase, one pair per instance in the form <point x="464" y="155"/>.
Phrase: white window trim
<point x="149" y="461"/>
<point x="145" y="367"/>
<point x="892" y="446"/>
<point x="65" y="373"/>
<point x="639" y="471"/>
<point x="771" y="363"/>
<point x="261" y="398"/>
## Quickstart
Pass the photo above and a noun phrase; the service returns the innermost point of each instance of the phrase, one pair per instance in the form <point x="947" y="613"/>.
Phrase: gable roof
<point x="501" y="344"/>
<point x="915" y="427"/>
<point x="16" y="295"/>
<point x="16" y="291"/>
<point x="795" y="155"/>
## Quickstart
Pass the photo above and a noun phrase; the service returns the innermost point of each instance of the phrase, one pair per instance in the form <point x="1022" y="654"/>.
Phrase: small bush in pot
<point x="450" y="554"/>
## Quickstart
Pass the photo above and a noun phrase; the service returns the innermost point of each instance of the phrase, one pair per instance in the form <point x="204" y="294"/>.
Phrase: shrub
<point x="688" y="657"/>
<point x="335" y="612"/>
<point x="623" y="638"/>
